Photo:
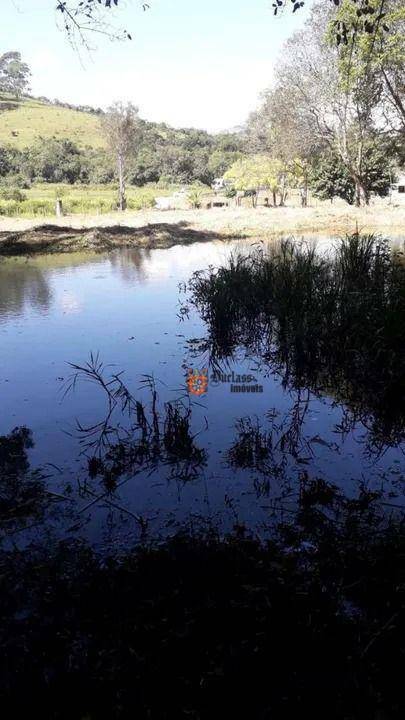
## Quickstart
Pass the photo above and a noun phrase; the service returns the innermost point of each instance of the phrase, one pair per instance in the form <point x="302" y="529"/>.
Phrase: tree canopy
<point x="85" y="16"/>
<point x="336" y="100"/>
<point x="14" y="73"/>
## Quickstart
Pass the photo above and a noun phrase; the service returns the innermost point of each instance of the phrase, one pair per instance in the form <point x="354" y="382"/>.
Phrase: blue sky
<point x="200" y="64"/>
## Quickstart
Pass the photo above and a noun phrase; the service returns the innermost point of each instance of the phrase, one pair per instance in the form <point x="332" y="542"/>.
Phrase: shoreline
<point x="156" y="229"/>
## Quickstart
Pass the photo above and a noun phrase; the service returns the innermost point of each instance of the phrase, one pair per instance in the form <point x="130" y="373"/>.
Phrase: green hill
<point x="24" y="121"/>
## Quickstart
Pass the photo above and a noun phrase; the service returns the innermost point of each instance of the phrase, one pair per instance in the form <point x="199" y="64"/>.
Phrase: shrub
<point x="12" y="194"/>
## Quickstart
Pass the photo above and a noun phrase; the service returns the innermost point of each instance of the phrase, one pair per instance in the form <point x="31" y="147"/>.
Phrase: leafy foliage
<point x="14" y="74"/>
<point x="180" y="156"/>
<point x="260" y="172"/>
<point x="330" y="177"/>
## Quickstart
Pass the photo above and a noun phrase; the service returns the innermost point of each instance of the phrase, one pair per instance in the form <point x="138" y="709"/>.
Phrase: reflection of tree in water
<point x="22" y="490"/>
<point x="183" y="623"/>
<point x="332" y="325"/>
<point x="129" y="262"/>
<point x="22" y="284"/>
<point x="195" y="626"/>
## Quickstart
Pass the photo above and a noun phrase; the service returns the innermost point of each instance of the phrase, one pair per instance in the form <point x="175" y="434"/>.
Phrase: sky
<point x="189" y="64"/>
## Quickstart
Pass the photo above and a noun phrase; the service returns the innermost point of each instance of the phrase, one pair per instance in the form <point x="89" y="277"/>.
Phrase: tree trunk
<point x="361" y="195"/>
<point x="304" y="197"/>
<point x="122" y="202"/>
<point x="283" y="192"/>
<point x="396" y="97"/>
<point x="274" y="198"/>
<point x="305" y="192"/>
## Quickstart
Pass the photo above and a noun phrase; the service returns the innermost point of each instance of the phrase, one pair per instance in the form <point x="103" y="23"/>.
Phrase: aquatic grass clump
<point x="154" y="434"/>
<point x="332" y="323"/>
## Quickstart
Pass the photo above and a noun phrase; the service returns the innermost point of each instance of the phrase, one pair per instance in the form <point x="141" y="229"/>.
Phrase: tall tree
<point x="282" y="133"/>
<point x="260" y="172"/>
<point x="331" y="109"/>
<point x="122" y="129"/>
<point x="379" y="53"/>
<point x="14" y="74"/>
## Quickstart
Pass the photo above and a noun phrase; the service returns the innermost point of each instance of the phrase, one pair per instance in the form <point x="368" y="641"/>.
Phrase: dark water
<point x="126" y="306"/>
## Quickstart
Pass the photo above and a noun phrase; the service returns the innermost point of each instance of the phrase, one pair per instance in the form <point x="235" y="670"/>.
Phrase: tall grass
<point x="39" y="201"/>
<point x="334" y="323"/>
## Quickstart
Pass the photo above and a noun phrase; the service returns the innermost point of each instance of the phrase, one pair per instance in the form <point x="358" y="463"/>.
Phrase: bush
<point x="17" y="180"/>
<point x="30" y="208"/>
<point x="11" y="193"/>
<point x="141" y="203"/>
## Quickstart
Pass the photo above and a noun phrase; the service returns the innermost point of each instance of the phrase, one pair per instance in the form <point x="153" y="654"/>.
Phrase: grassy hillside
<point x="22" y="122"/>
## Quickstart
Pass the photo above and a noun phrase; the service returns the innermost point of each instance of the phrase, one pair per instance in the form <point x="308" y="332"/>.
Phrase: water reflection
<point x="130" y="264"/>
<point x="22" y="285"/>
<point x="334" y="326"/>
<point x="27" y="282"/>
<point x="331" y="371"/>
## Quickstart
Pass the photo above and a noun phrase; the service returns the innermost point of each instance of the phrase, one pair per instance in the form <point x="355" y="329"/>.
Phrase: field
<point x="39" y="201"/>
<point x="23" y="122"/>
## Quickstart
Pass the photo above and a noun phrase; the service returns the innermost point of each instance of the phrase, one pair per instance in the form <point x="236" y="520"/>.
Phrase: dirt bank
<point x="153" y="228"/>
<point x="54" y="239"/>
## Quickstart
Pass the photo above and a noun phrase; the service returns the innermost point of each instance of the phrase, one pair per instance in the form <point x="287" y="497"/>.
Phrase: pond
<point x="250" y="434"/>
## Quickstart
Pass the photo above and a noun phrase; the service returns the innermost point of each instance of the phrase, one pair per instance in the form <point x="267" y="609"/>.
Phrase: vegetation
<point x="14" y="74"/>
<point x="330" y="178"/>
<point x="331" y="324"/>
<point x="344" y="138"/>
<point x="258" y="172"/>
<point x="44" y="142"/>
<point x="197" y="624"/>
<point x="122" y="131"/>
<point x="343" y="105"/>
<point x="39" y="200"/>
<point x="25" y="121"/>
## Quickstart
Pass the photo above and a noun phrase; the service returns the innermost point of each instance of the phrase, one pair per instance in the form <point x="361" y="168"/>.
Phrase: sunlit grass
<point x="28" y="120"/>
<point x="78" y="199"/>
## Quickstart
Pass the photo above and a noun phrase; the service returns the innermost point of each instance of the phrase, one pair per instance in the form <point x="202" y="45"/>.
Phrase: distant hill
<point x="32" y="131"/>
<point x="24" y="121"/>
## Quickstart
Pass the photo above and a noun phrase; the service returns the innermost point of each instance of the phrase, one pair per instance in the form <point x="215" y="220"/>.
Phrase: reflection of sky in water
<point x="126" y="307"/>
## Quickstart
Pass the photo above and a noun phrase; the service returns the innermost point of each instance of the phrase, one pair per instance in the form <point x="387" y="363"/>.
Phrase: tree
<point x="330" y="111"/>
<point x="330" y="177"/>
<point x="81" y="17"/>
<point x="220" y="161"/>
<point x="55" y="161"/>
<point x="14" y="74"/>
<point x="122" y="129"/>
<point x="257" y="172"/>
<point x="273" y="128"/>
<point x="379" y="53"/>
<point x="334" y="96"/>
